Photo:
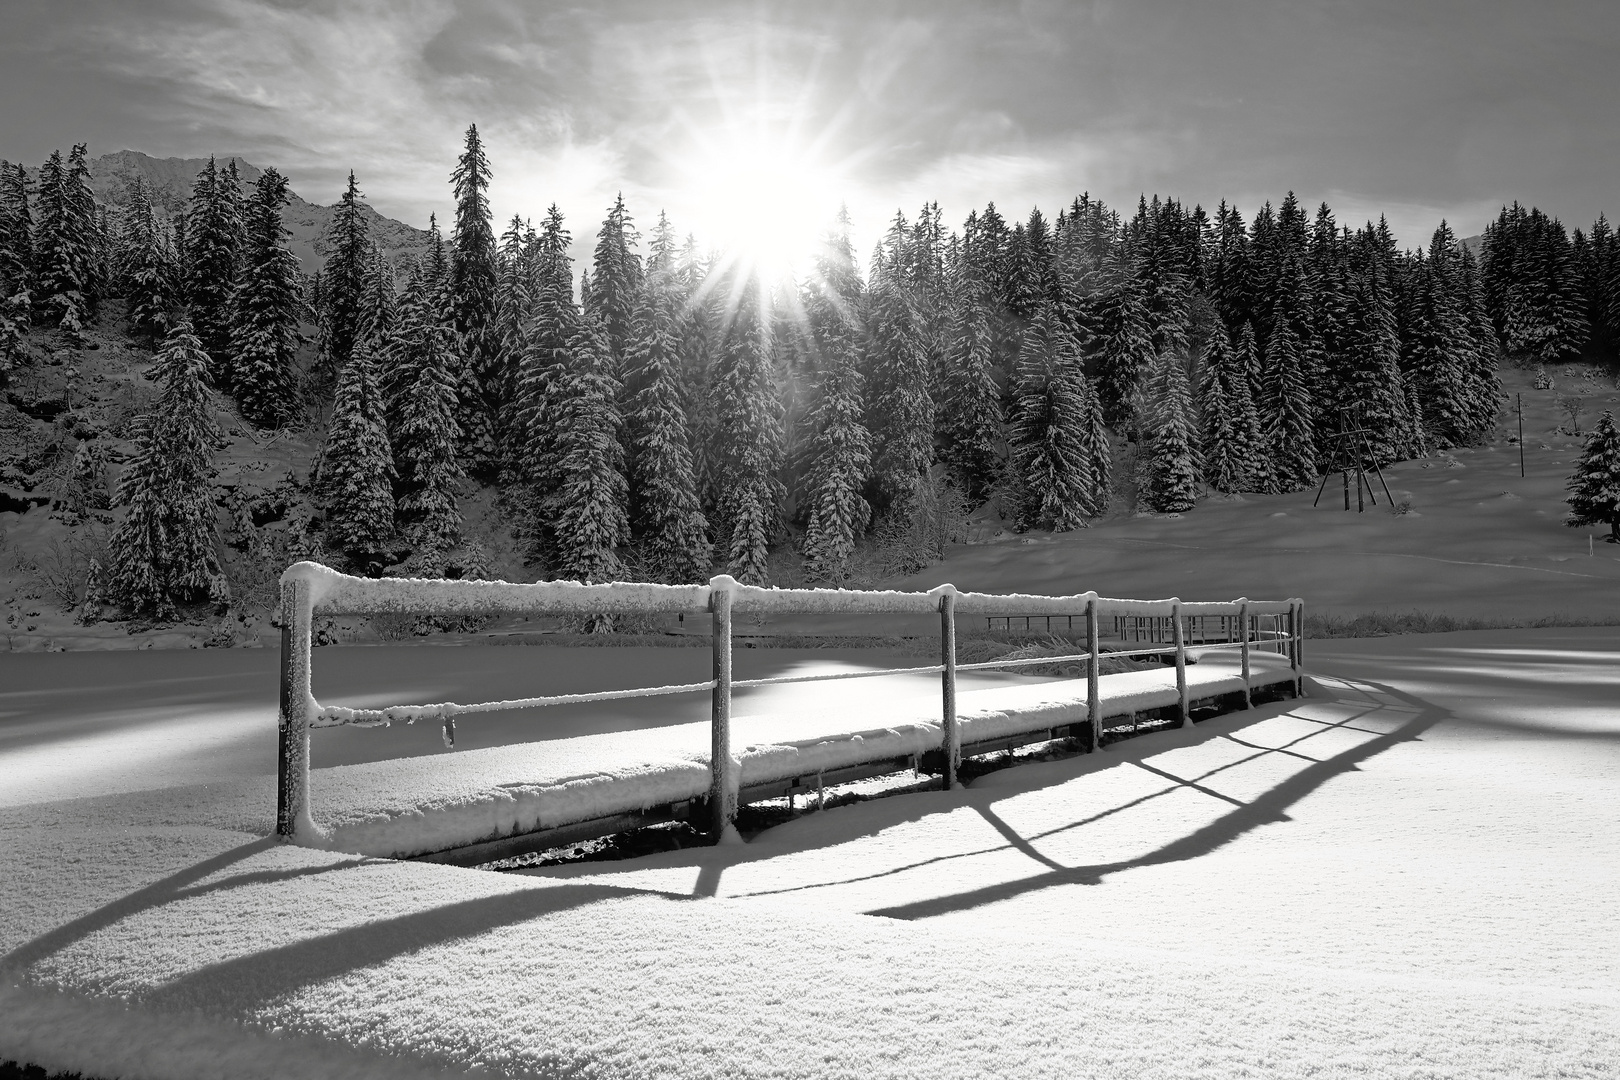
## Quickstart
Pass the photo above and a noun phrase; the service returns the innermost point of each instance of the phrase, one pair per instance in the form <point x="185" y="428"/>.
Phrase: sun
<point x="762" y="197"/>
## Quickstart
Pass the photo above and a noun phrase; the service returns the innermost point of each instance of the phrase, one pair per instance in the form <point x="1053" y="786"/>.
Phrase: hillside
<point x="171" y="180"/>
<point x="1474" y="540"/>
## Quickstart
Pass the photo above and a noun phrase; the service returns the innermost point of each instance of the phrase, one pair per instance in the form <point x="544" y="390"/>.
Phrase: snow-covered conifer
<point x="1594" y="488"/>
<point x="839" y="449"/>
<point x="1288" y="416"/>
<point x="216" y="242"/>
<point x="16" y="230"/>
<point x="1048" y="428"/>
<point x="421" y="410"/>
<point x="1127" y="345"/>
<point x="748" y="434"/>
<point x="1231" y="425"/>
<point x="669" y="520"/>
<point x="355" y="479"/>
<point x="970" y="395"/>
<point x="343" y="277"/>
<point x="1169" y="480"/>
<point x="266" y="309"/>
<point x="588" y="508"/>
<point x="901" y="405"/>
<point x="164" y="549"/>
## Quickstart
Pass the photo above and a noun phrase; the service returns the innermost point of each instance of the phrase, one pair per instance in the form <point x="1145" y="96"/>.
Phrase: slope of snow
<point x="1411" y="873"/>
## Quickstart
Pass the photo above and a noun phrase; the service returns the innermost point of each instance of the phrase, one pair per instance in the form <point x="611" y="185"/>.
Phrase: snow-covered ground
<point x="1414" y="872"/>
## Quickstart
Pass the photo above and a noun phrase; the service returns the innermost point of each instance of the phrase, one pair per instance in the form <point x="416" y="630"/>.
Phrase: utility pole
<point x="1519" y="398"/>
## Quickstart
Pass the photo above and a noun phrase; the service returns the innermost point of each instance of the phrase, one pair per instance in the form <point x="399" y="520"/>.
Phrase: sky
<point x="748" y="118"/>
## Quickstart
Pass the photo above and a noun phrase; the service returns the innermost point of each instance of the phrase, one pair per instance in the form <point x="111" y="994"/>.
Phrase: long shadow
<point x="259" y="975"/>
<point x="247" y="980"/>
<point x="1264" y="810"/>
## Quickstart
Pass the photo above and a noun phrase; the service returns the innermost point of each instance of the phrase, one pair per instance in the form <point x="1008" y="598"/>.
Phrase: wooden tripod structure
<point x="1349" y="453"/>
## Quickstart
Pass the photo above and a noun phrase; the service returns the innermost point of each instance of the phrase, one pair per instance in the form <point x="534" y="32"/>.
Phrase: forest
<point x="666" y="411"/>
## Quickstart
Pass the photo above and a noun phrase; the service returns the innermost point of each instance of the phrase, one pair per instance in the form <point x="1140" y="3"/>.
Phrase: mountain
<point x="171" y="179"/>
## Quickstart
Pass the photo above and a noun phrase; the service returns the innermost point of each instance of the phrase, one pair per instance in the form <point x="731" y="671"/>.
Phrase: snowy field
<point x="1413" y="872"/>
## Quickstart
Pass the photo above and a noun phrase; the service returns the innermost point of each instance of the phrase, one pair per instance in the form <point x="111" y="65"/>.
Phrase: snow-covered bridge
<point x="486" y="804"/>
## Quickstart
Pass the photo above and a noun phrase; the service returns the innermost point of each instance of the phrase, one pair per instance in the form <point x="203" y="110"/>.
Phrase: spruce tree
<point x="472" y="308"/>
<point x="669" y="522"/>
<point x="1127" y="346"/>
<point x="147" y="266"/>
<point x="1437" y="343"/>
<point x="545" y="360"/>
<point x="62" y="250"/>
<point x="901" y="407"/>
<point x="588" y="508"/>
<point x="422" y="422"/>
<point x="1484" y="351"/>
<point x="1048" y="428"/>
<point x="216" y="245"/>
<point x="748" y="434"/>
<point x="343" y="277"/>
<point x="1170" y="466"/>
<point x="356" y="473"/>
<point x="615" y="277"/>
<point x="379" y="305"/>
<point x="1594" y="488"/>
<point x="16" y="231"/>
<point x="266" y="310"/>
<point x="1096" y="452"/>
<point x="1231" y="425"/>
<point x="472" y="242"/>
<point x="1289" y="432"/>
<point x="839" y="446"/>
<point x="164" y="549"/>
<point x="970" y="405"/>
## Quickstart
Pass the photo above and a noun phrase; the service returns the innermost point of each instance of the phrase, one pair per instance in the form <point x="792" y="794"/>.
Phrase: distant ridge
<point x="171" y="180"/>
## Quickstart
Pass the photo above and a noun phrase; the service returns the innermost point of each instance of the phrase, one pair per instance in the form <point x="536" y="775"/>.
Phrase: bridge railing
<point x="310" y="589"/>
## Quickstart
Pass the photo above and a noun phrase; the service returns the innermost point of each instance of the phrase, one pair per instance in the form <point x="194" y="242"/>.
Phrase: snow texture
<point x="1410" y="873"/>
<point x="413" y="806"/>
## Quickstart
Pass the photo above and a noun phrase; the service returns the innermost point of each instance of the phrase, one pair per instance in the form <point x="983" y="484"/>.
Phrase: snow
<point x="1411" y="873"/>
<point x="417" y="805"/>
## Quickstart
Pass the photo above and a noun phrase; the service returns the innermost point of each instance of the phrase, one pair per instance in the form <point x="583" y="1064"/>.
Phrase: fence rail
<point x="310" y="589"/>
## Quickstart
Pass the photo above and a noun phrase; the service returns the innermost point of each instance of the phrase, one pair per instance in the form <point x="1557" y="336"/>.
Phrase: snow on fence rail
<point x="309" y="589"/>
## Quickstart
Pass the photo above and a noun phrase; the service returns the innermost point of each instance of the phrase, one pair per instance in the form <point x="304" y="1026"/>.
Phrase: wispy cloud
<point x="1447" y="107"/>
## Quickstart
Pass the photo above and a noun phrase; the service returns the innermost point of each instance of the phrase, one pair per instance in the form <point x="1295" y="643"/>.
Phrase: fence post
<point x="1296" y="619"/>
<point x="1181" y="661"/>
<point x="1243" y="620"/>
<point x="1093" y="687"/>
<point x="292" y="767"/>
<point x="722" y="790"/>
<point x="951" y="744"/>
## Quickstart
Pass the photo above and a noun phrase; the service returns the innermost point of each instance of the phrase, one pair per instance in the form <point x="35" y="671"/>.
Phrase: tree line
<point x="666" y="412"/>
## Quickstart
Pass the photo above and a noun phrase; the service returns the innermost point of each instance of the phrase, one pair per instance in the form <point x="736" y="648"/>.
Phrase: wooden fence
<point x="309" y="589"/>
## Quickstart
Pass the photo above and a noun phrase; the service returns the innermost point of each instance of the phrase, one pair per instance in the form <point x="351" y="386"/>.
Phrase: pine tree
<point x="615" y="277"/>
<point x="148" y="266"/>
<point x="1370" y="380"/>
<point x="545" y="359"/>
<point x="970" y="405"/>
<point x="1483" y="350"/>
<point x="1127" y="346"/>
<point x="343" y="277"/>
<point x="748" y="435"/>
<point x="668" y="520"/>
<point x="1289" y="432"/>
<point x="1096" y="452"/>
<point x="379" y="306"/>
<point x="266" y="310"/>
<point x="216" y="245"/>
<point x="1048" y="428"/>
<point x="355" y="478"/>
<point x="839" y="446"/>
<point x="1437" y="342"/>
<point x="1594" y="488"/>
<point x="901" y="407"/>
<point x="16" y="231"/>
<point x="588" y="515"/>
<point x="1231" y="425"/>
<point x="63" y="249"/>
<point x="164" y="549"/>
<point x="473" y="276"/>
<point x="423" y="432"/>
<point x="1170" y="466"/>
